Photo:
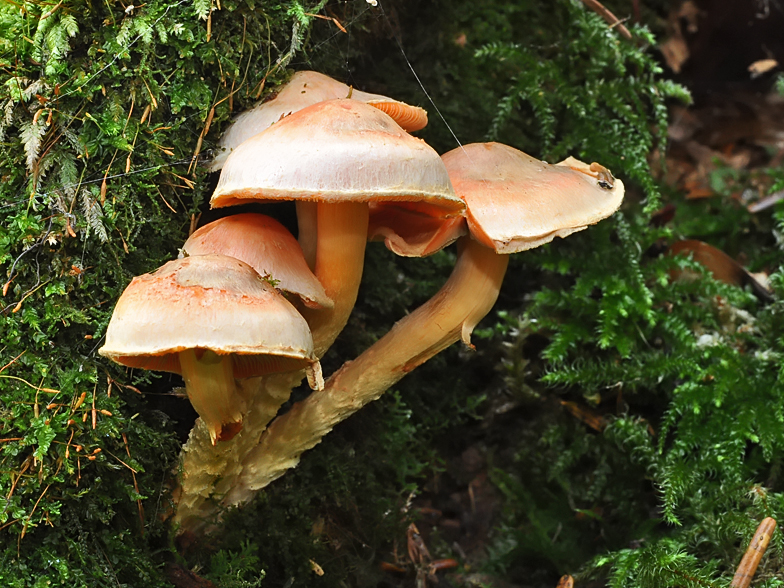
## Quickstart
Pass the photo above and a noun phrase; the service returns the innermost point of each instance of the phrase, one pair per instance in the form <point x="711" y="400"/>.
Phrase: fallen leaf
<point x="762" y="66"/>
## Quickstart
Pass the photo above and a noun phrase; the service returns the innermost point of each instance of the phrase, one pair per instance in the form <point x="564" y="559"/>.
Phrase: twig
<point x="46" y="15"/>
<point x="608" y="17"/>
<point x="135" y="484"/>
<point x="766" y="202"/>
<point x="164" y="199"/>
<point x="10" y="363"/>
<point x="103" y="183"/>
<point x="93" y="412"/>
<point x="331" y="18"/>
<point x="133" y="471"/>
<point x="751" y="559"/>
<point x="27" y="522"/>
<point x="18" y="306"/>
<point x="35" y="245"/>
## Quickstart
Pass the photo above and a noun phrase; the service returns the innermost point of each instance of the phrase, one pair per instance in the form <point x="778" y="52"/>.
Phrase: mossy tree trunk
<point x="105" y="109"/>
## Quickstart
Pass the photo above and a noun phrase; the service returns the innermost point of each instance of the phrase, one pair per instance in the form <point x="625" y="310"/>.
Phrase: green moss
<point x="103" y="110"/>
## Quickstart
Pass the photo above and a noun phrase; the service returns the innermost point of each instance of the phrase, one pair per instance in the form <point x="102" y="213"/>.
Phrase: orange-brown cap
<point x="337" y="151"/>
<point x="515" y="202"/>
<point x="265" y="245"/>
<point x="210" y="302"/>
<point x="304" y="89"/>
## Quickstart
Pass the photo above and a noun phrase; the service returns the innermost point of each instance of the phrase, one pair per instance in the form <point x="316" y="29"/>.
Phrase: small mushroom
<point x="265" y="245"/>
<point x="516" y="202"/>
<point x="211" y="318"/>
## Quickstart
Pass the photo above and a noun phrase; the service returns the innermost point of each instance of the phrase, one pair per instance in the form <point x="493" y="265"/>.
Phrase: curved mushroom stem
<point x="209" y="382"/>
<point x="340" y="256"/>
<point x="452" y="313"/>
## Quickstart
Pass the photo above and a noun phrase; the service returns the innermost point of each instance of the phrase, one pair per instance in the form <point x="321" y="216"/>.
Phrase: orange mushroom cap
<point x="515" y="202"/>
<point x="333" y="158"/>
<point x="337" y="151"/>
<point x="209" y="302"/>
<point x="265" y="245"/>
<point x="304" y="89"/>
<point x="211" y="318"/>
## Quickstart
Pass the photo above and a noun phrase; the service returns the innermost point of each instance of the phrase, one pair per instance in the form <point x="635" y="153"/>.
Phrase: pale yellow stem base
<point x="451" y="314"/>
<point x="208" y="472"/>
<point x="338" y="255"/>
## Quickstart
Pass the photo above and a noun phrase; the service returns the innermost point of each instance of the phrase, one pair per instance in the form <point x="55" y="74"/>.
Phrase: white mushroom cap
<point x="210" y="302"/>
<point x="337" y="151"/>
<point x="304" y="89"/>
<point x="265" y="245"/>
<point x="515" y="202"/>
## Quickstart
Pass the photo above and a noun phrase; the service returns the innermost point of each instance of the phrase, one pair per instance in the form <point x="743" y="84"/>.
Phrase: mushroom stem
<point x="333" y="238"/>
<point x="451" y="314"/>
<point x="307" y="225"/>
<point x="209" y="382"/>
<point x="340" y="255"/>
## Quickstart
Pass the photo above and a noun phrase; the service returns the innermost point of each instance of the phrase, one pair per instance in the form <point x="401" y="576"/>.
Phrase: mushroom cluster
<point x="347" y="160"/>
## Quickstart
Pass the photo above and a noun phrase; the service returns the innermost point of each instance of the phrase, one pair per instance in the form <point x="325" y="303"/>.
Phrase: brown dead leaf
<point x="719" y="264"/>
<point x="181" y="577"/>
<point x="762" y="66"/>
<point x="675" y="51"/>
<point x="566" y="582"/>
<point x="690" y="12"/>
<point x="696" y="180"/>
<point x="684" y="123"/>
<point x="674" y="48"/>
<point x="590" y="417"/>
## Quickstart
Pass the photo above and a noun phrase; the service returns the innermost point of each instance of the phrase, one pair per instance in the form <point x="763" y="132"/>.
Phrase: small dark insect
<point x="603" y="176"/>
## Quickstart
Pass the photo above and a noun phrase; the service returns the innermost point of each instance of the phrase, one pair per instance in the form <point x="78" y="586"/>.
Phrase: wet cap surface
<point x="265" y="245"/>
<point x="305" y="89"/>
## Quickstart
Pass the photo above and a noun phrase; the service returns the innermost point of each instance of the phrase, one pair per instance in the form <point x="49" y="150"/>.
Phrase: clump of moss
<point x="106" y="109"/>
<point x="682" y="375"/>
